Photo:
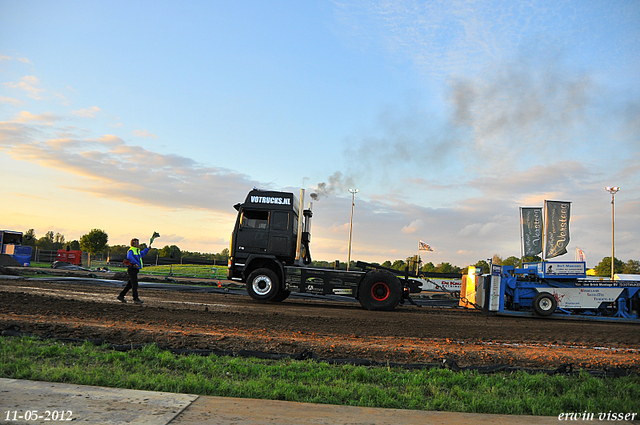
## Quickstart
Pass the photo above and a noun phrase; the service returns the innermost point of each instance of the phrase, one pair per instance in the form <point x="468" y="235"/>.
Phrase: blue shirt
<point x="135" y="256"/>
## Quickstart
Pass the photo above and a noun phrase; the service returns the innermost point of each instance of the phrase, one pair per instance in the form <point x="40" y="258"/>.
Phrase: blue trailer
<point x="11" y="244"/>
<point x="560" y="289"/>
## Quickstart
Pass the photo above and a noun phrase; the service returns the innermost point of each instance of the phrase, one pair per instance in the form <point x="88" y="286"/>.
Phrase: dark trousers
<point x="132" y="283"/>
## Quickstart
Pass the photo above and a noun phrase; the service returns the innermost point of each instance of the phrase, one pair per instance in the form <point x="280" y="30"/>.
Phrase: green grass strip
<point x="176" y="270"/>
<point x="154" y="369"/>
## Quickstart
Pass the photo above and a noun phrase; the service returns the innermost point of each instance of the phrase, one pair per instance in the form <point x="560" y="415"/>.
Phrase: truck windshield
<point x="255" y="219"/>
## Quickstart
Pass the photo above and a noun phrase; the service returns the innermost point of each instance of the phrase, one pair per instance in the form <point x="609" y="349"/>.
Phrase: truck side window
<point x="255" y="219"/>
<point x="280" y="220"/>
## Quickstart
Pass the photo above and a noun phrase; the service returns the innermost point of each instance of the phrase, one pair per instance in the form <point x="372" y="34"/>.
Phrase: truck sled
<point x="554" y="289"/>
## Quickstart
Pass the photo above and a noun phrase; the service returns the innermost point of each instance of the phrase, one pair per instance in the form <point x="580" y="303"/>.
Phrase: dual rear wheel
<point x="380" y="290"/>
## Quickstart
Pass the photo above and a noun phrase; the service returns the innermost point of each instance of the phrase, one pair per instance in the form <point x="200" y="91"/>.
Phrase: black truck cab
<point x="266" y="228"/>
<point x="270" y="253"/>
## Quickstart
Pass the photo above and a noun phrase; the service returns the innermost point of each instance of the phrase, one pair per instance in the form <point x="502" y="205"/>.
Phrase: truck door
<point x="253" y="232"/>
<point x="280" y="239"/>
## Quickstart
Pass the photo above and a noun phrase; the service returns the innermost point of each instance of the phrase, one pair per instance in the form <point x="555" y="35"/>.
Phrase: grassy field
<point x="154" y="369"/>
<point x="176" y="270"/>
<point x="187" y="270"/>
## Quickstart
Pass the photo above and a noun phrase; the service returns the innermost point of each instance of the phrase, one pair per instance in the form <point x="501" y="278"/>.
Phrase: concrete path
<point x="27" y="400"/>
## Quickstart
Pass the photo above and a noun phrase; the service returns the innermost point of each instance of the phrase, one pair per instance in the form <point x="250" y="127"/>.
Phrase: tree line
<point x="603" y="269"/>
<point x="96" y="241"/>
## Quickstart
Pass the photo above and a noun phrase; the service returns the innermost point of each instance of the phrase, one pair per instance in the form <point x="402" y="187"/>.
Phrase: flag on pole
<point x="531" y="219"/>
<point x="557" y="227"/>
<point x="422" y="246"/>
<point x="580" y="256"/>
<point x="153" y="237"/>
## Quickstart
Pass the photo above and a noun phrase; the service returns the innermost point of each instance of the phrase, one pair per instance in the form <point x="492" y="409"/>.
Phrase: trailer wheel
<point x="544" y="304"/>
<point x="380" y="290"/>
<point x="263" y="285"/>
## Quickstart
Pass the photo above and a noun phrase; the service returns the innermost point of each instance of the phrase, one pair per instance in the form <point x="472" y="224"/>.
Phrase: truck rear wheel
<point x="263" y="285"/>
<point x="380" y="290"/>
<point x="544" y="304"/>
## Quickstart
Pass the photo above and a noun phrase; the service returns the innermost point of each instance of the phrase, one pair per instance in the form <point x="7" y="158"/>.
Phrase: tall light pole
<point x="353" y="200"/>
<point x="612" y="190"/>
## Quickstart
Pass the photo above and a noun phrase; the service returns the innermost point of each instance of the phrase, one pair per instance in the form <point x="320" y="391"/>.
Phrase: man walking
<point x="134" y="257"/>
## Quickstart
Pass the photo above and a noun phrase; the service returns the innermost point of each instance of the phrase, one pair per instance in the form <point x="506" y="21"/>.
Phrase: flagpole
<point x="418" y="258"/>
<point x="521" y="239"/>
<point x="544" y="233"/>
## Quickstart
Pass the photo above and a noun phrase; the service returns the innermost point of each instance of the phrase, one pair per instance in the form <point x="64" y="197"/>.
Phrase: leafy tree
<point x="632" y="267"/>
<point x="511" y="261"/>
<point x="484" y="265"/>
<point x="224" y="255"/>
<point x="74" y="245"/>
<point x="603" y="268"/>
<point x="398" y="265"/>
<point x="58" y="241"/>
<point x="429" y="267"/>
<point x="445" y="268"/>
<point x="414" y="262"/>
<point x="387" y="264"/>
<point x="29" y="238"/>
<point x="118" y="249"/>
<point x="532" y="259"/>
<point x="93" y="242"/>
<point x="496" y="259"/>
<point x="165" y="251"/>
<point x="169" y="251"/>
<point x="45" y="242"/>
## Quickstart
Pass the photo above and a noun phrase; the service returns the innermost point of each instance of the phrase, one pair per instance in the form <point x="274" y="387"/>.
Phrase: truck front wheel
<point x="380" y="290"/>
<point x="263" y="285"/>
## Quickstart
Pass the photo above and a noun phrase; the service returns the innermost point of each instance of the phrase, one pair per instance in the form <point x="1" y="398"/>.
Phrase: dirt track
<point x="329" y="329"/>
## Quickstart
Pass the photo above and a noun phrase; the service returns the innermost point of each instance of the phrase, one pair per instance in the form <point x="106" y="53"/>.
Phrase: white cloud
<point x="413" y="227"/>
<point x="22" y="59"/>
<point x="9" y="100"/>
<point x="87" y="112"/>
<point x="144" y="134"/>
<point x="111" y="168"/>
<point x="28" y="84"/>
<point x="27" y="117"/>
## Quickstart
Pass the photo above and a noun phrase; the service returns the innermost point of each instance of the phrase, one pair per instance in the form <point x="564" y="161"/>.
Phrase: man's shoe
<point x="137" y="301"/>
<point x="121" y="299"/>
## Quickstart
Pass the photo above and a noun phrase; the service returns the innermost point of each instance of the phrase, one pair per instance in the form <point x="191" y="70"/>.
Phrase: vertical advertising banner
<point x="557" y="228"/>
<point x="494" y="288"/>
<point x="531" y="231"/>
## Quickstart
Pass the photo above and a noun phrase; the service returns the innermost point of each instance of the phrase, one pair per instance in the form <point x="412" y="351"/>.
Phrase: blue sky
<point x="144" y="116"/>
